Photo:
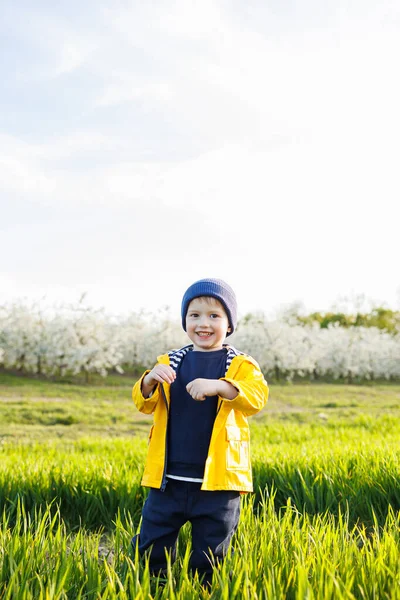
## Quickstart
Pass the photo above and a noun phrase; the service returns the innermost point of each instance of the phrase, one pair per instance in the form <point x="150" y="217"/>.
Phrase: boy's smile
<point x="206" y="324"/>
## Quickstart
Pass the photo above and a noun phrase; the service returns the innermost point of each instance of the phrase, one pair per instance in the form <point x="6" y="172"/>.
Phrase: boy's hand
<point x="160" y="374"/>
<point x="199" y="389"/>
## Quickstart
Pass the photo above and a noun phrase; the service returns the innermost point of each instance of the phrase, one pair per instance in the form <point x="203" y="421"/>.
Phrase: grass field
<point x="323" y="523"/>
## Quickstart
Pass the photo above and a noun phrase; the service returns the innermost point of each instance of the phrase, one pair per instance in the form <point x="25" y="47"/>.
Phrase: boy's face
<point x="206" y="324"/>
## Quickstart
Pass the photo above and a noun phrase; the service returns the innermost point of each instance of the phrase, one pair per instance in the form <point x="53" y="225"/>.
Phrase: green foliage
<point x="319" y="468"/>
<point x="32" y="409"/>
<point x="382" y="318"/>
<point x="279" y="555"/>
<point x="324" y="522"/>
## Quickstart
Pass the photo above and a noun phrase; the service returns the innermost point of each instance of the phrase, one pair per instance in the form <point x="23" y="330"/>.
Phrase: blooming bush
<point x="78" y="339"/>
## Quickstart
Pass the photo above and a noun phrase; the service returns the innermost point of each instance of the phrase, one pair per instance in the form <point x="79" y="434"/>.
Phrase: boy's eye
<point x="194" y="315"/>
<point x="214" y="316"/>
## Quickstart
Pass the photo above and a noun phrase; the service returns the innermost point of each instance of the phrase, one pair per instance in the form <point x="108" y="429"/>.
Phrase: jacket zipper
<point x="164" y="478"/>
<point x="218" y="408"/>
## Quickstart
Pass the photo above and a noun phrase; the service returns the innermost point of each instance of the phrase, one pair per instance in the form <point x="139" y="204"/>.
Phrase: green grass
<point x="38" y="409"/>
<point x="277" y="555"/>
<point x="34" y="409"/>
<point x="323" y="523"/>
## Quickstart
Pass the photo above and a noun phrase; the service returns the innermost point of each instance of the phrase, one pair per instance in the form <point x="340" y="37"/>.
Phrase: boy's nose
<point x="203" y="320"/>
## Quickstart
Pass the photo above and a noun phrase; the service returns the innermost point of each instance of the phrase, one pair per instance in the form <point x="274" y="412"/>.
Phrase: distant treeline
<point x="382" y="318"/>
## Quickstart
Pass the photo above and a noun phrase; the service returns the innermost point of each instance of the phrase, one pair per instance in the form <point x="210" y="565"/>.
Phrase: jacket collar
<point x="175" y="356"/>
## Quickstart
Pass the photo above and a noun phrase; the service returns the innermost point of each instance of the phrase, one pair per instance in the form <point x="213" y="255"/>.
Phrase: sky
<point x="145" y="145"/>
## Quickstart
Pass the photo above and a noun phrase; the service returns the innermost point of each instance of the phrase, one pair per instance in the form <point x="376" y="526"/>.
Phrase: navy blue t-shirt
<point x="191" y="421"/>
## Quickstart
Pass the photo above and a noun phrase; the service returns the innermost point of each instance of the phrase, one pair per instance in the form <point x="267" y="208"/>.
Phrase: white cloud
<point x="61" y="46"/>
<point x="272" y="138"/>
<point x="129" y="88"/>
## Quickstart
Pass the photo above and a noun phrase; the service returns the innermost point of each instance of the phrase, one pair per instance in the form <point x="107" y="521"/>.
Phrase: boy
<point x="198" y="459"/>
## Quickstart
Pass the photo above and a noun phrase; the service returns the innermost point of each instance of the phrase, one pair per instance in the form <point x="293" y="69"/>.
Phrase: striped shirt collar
<point x="176" y="356"/>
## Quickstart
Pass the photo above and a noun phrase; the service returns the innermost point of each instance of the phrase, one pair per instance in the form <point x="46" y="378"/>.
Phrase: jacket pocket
<point x="238" y="448"/>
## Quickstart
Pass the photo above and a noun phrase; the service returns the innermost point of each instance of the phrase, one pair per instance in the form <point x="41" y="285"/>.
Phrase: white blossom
<point x="75" y="339"/>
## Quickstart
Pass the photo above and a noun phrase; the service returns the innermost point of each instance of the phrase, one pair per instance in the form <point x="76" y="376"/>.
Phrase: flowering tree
<point x="78" y="339"/>
<point x="281" y="349"/>
<point x="143" y="336"/>
<point x="358" y="353"/>
<point x="22" y="338"/>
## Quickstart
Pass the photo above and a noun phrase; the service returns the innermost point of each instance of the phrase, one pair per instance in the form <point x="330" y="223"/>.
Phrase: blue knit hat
<point x="216" y="288"/>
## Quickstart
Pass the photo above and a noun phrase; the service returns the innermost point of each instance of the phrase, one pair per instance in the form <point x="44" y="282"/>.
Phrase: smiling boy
<point x="198" y="459"/>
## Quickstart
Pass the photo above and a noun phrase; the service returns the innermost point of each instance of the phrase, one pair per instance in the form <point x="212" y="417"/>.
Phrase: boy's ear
<point x="229" y="329"/>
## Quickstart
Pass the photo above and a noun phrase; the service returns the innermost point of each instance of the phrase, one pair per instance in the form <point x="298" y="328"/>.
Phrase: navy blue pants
<point x="214" y="517"/>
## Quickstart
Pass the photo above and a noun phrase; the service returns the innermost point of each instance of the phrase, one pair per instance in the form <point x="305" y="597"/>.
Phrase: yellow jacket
<point x="228" y="464"/>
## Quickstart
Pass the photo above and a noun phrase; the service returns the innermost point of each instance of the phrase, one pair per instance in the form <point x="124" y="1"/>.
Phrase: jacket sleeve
<point x="145" y="405"/>
<point x="252" y="387"/>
